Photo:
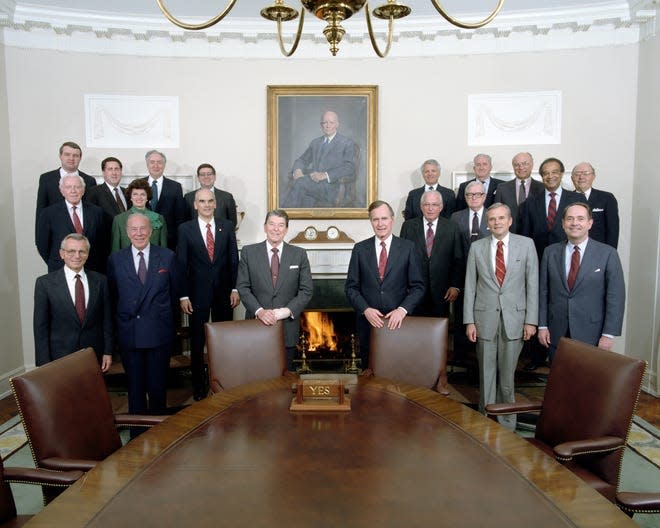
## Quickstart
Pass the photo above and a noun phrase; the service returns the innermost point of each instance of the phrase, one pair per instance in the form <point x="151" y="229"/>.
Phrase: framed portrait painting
<point x="322" y="150"/>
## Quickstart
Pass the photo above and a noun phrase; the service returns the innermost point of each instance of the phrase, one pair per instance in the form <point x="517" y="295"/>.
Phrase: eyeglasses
<point x="73" y="252"/>
<point x="474" y="195"/>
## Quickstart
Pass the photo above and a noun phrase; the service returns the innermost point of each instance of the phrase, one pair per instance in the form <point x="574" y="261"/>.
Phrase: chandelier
<point x="333" y="12"/>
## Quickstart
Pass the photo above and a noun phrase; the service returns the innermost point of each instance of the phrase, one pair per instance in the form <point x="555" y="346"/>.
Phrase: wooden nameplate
<point x="320" y="395"/>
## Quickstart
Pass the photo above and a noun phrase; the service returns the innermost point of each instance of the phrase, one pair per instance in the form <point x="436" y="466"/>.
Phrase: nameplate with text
<point x="320" y="395"/>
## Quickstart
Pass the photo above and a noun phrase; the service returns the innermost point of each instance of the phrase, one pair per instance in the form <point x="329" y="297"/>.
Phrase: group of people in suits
<point x="502" y="295"/>
<point x="479" y="250"/>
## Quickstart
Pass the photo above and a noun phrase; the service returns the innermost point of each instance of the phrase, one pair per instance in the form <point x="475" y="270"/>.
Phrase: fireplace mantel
<point x="328" y="260"/>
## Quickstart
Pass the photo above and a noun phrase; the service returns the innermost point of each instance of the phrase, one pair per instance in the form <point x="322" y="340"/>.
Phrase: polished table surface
<point x="403" y="456"/>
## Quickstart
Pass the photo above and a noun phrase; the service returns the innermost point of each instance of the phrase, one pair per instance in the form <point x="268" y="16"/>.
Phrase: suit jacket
<point x="413" y="209"/>
<point x="445" y="267"/>
<point x="463" y="219"/>
<point x="57" y="329"/>
<point x="225" y="206"/>
<point x="103" y="197"/>
<point x="402" y="285"/>
<point x="517" y="300"/>
<point x="172" y="206"/>
<point x="293" y="289"/>
<point x="490" y="194"/>
<point x="506" y="194"/>
<point x="605" y="212"/>
<point x="339" y="159"/>
<point x="144" y="312"/>
<point x="595" y="305"/>
<point x="206" y="282"/>
<point x="49" y="193"/>
<point x="533" y="220"/>
<point x="55" y="223"/>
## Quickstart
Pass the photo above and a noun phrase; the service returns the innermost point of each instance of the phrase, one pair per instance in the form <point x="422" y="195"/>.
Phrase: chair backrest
<point x="244" y="351"/>
<point x="66" y="410"/>
<point x="590" y="393"/>
<point x="414" y="353"/>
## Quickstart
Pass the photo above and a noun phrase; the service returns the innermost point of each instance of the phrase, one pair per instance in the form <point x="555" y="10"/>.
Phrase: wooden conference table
<point x="402" y="457"/>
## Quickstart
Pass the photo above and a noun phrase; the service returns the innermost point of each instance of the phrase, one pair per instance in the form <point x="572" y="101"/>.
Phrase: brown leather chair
<point x="40" y="477"/>
<point x="67" y="414"/>
<point x="587" y="411"/>
<point x="415" y="353"/>
<point x="244" y="351"/>
<point x="638" y="502"/>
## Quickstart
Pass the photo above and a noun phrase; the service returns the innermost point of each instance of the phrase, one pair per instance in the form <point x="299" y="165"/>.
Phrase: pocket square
<point x="597" y="270"/>
<point x="597" y="210"/>
<point x="294" y="266"/>
<point x="162" y="270"/>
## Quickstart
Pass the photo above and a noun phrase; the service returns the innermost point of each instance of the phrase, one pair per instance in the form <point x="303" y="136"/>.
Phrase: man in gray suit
<point x="275" y="280"/>
<point x="582" y="291"/>
<point x="320" y="176"/>
<point x="501" y="306"/>
<point x="514" y="192"/>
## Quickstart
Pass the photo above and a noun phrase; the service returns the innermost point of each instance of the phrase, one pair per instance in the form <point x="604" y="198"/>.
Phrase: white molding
<point x="600" y="24"/>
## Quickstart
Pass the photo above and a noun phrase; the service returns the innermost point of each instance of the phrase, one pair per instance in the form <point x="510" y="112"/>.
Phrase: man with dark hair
<point x="275" y="280"/>
<point x="582" y="291"/>
<point x="384" y="282"/>
<point x="72" y="308"/>
<point x="208" y="259"/>
<point x="48" y="192"/>
<point x="225" y="206"/>
<point x="166" y="195"/>
<point x="603" y="204"/>
<point x="430" y="170"/>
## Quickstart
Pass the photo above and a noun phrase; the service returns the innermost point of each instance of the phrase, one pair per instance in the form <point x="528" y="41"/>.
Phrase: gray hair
<point x="154" y="151"/>
<point x="78" y="238"/>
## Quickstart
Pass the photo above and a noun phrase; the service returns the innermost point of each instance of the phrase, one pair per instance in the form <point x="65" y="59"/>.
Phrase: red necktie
<point x="274" y="265"/>
<point x="429" y="239"/>
<point x="210" y="242"/>
<point x="80" y="298"/>
<point x="552" y="210"/>
<point x="77" y="225"/>
<point x="382" y="261"/>
<point x="142" y="268"/>
<point x="120" y="204"/>
<point x="575" y="267"/>
<point x="500" y="268"/>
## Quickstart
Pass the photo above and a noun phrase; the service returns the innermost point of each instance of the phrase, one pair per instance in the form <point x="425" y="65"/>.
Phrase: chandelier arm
<point x="466" y="25"/>
<point x="194" y="27"/>
<point x="296" y="41"/>
<point x="372" y="37"/>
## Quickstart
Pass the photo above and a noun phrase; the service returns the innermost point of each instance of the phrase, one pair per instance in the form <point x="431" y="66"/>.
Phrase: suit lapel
<point x="62" y="291"/>
<point x="586" y="265"/>
<point x="93" y="285"/>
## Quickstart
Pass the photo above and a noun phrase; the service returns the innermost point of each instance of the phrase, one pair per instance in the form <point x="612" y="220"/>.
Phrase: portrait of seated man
<point x="324" y="175"/>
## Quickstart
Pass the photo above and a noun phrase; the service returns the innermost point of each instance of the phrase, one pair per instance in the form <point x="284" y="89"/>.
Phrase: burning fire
<point x="320" y="331"/>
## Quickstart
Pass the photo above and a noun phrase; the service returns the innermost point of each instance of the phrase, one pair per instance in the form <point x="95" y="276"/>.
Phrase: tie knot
<point x="275" y="251"/>
<point x="382" y="244"/>
<point x="73" y="207"/>
<point x="500" y="243"/>
<point x="77" y="276"/>
<point x="140" y="253"/>
<point x="208" y="226"/>
<point x="576" y="248"/>
<point x="553" y="194"/>
<point x="430" y="224"/>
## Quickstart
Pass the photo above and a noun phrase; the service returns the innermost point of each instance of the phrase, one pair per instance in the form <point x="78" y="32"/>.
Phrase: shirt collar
<point x="71" y="275"/>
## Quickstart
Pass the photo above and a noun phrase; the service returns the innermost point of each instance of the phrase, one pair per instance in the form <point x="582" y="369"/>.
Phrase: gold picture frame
<point x="337" y="180"/>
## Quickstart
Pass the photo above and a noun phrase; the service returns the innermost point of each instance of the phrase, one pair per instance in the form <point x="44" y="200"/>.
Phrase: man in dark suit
<point x="166" y="195"/>
<point x="275" y="280"/>
<point x="582" y="290"/>
<point x="472" y="226"/>
<point x="482" y="165"/>
<point x="225" y="206"/>
<point x="329" y="161"/>
<point x="384" y="282"/>
<point x="431" y="173"/>
<point x="540" y="219"/>
<point x="109" y="196"/>
<point x="72" y="308"/>
<point x="48" y="192"/>
<point x="71" y="215"/>
<point x="143" y="282"/>
<point x="541" y="214"/>
<point x="501" y="306"/>
<point x="514" y="192"/>
<point x="604" y="207"/>
<point x="208" y="259"/>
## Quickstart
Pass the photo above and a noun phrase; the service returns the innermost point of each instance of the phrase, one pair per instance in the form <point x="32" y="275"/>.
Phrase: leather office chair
<point x="67" y="414"/>
<point x="638" y="502"/>
<point x="243" y="351"/>
<point x="587" y="411"/>
<point x="42" y="477"/>
<point x="415" y="353"/>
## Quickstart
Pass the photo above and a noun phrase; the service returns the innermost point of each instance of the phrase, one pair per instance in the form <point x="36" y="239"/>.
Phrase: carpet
<point x="12" y="437"/>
